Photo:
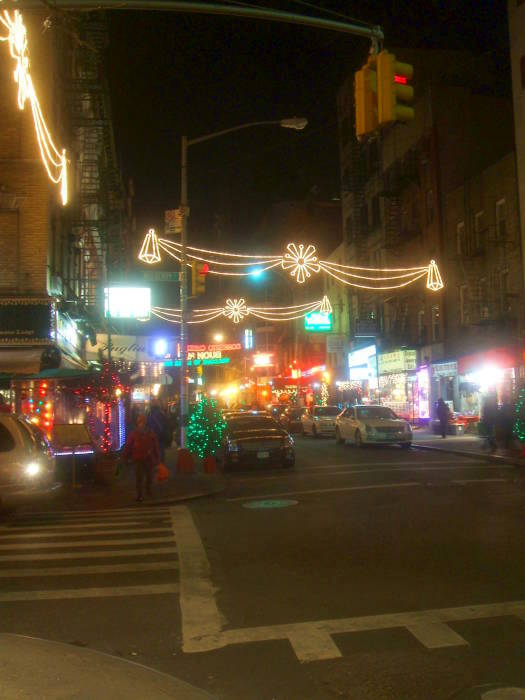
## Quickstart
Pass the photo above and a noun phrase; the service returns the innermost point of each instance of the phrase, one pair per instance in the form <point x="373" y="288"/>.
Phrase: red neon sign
<point x="400" y="79"/>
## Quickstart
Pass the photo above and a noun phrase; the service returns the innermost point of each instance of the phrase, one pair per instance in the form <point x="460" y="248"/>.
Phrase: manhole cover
<point x="270" y="503"/>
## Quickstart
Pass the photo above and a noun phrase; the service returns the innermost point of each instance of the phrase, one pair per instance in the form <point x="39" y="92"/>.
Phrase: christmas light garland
<point x="55" y="161"/>
<point x="300" y="261"/>
<point x="236" y="310"/>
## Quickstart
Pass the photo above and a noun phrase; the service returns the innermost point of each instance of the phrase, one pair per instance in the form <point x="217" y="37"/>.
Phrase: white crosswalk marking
<point x="143" y="569"/>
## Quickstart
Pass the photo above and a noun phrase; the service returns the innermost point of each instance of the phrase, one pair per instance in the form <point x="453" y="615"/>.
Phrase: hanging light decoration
<point x="55" y="161"/>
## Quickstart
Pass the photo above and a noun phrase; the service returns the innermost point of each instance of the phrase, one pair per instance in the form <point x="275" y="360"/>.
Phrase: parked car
<point x="290" y="418"/>
<point x="27" y="461"/>
<point x="319" y="420"/>
<point x="254" y="439"/>
<point x="372" y="424"/>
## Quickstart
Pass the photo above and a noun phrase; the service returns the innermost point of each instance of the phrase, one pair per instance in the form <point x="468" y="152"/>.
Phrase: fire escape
<point x="96" y="227"/>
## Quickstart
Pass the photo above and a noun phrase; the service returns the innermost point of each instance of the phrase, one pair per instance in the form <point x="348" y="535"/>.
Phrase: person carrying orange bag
<point x="143" y="450"/>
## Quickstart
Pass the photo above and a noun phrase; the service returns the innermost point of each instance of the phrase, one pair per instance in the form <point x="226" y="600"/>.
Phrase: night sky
<point x="173" y="73"/>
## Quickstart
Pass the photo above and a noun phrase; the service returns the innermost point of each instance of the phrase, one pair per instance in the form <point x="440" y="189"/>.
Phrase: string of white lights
<point x="299" y="260"/>
<point x="236" y="310"/>
<point x="55" y="161"/>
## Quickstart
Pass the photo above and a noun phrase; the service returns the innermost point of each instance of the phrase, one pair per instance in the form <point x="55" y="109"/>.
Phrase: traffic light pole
<point x="183" y="290"/>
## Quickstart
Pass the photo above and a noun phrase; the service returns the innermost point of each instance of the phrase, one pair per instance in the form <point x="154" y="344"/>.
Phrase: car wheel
<point x="358" y="439"/>
<point x="314" y="432"/>
<point x="405" y="445"/>
<point x="340" y="440"/>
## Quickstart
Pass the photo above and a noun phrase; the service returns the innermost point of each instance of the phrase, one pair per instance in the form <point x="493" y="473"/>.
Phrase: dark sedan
<point x="257" y="439"/>
<point x="290" y="418"/>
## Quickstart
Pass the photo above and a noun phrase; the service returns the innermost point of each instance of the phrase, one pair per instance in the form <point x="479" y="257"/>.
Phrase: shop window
<point x="501" y="219"/>
<point x="460" y="238"/>
<point x="430" y="206"/>
<point x="464" y="310"/>
<point x="436" y="324"/>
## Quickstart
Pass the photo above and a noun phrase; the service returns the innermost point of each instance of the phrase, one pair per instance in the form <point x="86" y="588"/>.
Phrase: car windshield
<point x="327" y="410"/>
<point x="252" y="423"/>
<point x="380" y="412"/>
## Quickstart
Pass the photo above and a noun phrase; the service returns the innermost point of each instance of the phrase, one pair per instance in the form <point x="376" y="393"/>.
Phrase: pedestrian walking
<point x="490" y="418"/>
<point x="143" y="449"/>
<point x="443" y="415"/>
<point x="159" y="424"/>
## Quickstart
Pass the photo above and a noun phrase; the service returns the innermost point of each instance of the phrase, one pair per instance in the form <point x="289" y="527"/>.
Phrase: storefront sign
<point x="67" y="334"/>
<point x="198" y="362"/>
<point x="318" y="322"/>
<point x="24" y="322"/>
<point x="423" y="393"/>
<point x="445" y="369"/>
<point x="397" y="361"/>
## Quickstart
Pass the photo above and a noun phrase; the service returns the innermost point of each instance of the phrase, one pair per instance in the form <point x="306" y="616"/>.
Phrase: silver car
<point x="27" y="461"/>
<point x="319" y="420"/>
<point x="372" y="424"/>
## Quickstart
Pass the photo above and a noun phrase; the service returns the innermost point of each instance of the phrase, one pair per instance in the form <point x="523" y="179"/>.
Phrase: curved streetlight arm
<point x="295" y="123"/>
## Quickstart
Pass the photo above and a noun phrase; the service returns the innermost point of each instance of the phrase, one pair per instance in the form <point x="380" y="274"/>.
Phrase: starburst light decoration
<point x="235" y="309"/>
<point x="55" y="161"/>
<point x="300" y="261"/>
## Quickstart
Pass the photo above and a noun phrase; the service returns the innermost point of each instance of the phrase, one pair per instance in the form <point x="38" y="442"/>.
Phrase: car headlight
<point x="32" y="469"/>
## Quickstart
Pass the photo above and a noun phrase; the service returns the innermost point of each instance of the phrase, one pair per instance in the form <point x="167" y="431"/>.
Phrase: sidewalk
<point x="465" y="445"/>
<point x="121" y="493"/>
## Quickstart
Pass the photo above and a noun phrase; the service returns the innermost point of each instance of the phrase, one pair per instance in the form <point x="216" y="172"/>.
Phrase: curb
<point x="497" y="459"/>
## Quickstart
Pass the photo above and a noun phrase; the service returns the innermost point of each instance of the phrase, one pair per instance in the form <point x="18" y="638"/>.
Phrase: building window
<point x="421" y="331"/>
<point x="363" y="215"/>
<point x="376" y="213"/>
<point x="483" y="299"/>
<point x="479" y="229"/>
<point x="501" y="219"/>
<point x="522" y="67"/>
<point x="504" y="290"/>
<point x="349" y="228"/>
<point x="436" y="330"/>
<point x="464" y="314"/>
<point x="460" y="238"/>
<point x="345" y="131"/>
<point x="248" y="339"/>
<point x="430" y="206"/>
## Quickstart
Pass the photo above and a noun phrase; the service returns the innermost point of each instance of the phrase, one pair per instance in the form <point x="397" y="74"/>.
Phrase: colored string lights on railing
<point x="55" y="161"/>
<point x="236" y="310"/>
<point x="299" y="260"/>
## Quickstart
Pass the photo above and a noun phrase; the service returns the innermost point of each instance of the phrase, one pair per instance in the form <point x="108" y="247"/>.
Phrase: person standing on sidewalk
<point x="443" y="415"/>
<point x="490" y="418"/>
<point x="143" y="449"/>
<point x="158" y="423"/>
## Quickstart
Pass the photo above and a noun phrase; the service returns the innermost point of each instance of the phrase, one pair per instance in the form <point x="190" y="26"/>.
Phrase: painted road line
<point x="89" y="543"/>
<point x="404" y="463"/>
<point x="104" y="592"/>
<point x="201" y="618"/>
<point x="133" y="511"/>
<point x="95" y="554"/>
<point x="81" y="570"/>
<point x="83" y="526"/>
<point x="117" y="520"/>
<point x="41" y="535"/>
<point x="428" y="626"/>
<point x="478" y="481"/>
<point x="368" y="487"/>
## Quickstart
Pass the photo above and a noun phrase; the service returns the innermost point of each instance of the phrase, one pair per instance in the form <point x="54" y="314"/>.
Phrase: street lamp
<point x="296" y="123"/>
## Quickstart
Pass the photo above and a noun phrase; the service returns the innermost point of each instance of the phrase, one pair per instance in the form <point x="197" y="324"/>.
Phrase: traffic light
<point x="199" y="270"/>
<point x="365" y="96"/>
<point x="394" y="94"/>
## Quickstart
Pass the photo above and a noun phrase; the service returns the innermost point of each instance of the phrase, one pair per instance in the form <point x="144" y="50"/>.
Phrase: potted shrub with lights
<point x="205" y="431"/>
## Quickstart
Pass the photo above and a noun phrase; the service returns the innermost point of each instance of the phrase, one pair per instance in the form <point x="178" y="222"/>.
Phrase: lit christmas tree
<point x="205" y="429"/>
<point x="519" y="425"/>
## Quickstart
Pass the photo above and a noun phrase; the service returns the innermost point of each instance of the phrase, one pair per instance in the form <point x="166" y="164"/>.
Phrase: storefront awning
<point x="20" y="361"/>
<point x="502" y="358"/>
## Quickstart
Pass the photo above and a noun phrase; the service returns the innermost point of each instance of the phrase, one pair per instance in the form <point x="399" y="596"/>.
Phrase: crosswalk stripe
<point x="104" y="592"/>
<point x="84" y="521"/>
<point x="89" y="543"/>
<point x="95" y="554"/>
<point x="41" y="535"/>
<point x="132" y="511"/>
<point x="80" y="570"/>
<point x="82" y="526"/>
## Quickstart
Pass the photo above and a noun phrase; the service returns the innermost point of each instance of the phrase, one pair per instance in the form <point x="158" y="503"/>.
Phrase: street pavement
<point x="374" y="573"/>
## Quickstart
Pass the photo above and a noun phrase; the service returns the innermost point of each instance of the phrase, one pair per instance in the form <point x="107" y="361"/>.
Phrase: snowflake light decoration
<point x="300" y="261"/>
<point x="235" y="309"/>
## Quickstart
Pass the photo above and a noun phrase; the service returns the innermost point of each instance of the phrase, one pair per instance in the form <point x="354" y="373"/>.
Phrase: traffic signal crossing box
<point x="199" y="270"/>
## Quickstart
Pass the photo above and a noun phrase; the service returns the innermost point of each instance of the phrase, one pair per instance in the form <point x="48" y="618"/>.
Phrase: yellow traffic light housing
<point x="199" y="271"/>
<point x="365" y="95"/>
<point x="394" y="94"/>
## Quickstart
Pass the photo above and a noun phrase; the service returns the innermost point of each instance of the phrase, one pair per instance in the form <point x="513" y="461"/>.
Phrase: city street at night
<point x="360" y="573"/>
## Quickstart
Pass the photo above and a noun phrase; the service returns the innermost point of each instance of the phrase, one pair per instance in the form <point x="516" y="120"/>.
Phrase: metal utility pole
<point x="183" y="289"/>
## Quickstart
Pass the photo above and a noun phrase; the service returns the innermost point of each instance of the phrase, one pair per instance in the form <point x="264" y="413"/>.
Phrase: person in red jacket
<point x="143" y="449"/>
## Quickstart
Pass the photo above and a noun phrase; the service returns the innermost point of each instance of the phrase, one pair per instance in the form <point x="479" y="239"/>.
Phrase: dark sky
<point x="173" y="73"/>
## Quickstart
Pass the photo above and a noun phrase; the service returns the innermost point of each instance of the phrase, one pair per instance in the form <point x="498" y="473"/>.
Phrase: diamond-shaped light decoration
<point x="149" y="253"/>
<point x="434" y="281"/>
<point x="326" y="307"/>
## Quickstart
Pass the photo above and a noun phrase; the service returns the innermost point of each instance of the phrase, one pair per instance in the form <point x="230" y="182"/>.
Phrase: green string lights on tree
<point x="519" y="425"/>
<point x="205" y="429"/>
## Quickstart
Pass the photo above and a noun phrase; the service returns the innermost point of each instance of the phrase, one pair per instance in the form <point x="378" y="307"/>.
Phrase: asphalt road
<point x="377" y="573"/>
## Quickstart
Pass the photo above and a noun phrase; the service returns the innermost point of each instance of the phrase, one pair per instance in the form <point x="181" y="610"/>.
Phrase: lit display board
<point x="318" y="322"/>
<point x="127" y="302"/>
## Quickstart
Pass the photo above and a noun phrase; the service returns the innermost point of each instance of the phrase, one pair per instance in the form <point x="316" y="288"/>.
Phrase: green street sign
<point x="161" y="276"/>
